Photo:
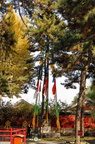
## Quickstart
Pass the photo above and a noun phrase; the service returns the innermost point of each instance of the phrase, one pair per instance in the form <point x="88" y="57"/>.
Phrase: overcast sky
<point x="63" y="94"/>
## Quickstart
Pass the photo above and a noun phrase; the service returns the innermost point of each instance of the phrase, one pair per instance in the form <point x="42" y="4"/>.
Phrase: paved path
<point x="54" y="142"/>
<point x="62" y="140"/>
<point x="31" y="141"/>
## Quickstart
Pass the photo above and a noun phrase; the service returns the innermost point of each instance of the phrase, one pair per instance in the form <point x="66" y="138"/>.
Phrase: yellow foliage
<point x="15" y="64"/>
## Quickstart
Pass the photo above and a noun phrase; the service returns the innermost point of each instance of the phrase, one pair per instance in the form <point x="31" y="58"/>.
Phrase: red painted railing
<point x="8" y="134"/>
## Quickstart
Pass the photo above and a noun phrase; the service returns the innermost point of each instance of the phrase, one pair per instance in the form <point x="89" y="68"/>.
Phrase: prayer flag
<point x="46" y="86"/>
<point x="34" y="119"/>
<point x="57" y="117"/>
<point x="54" y="87"/>
<point x="54" y="92"/>
<point x="58" y="124"/>
<point x="38" y="90"/>
<point x="39" y="86"/>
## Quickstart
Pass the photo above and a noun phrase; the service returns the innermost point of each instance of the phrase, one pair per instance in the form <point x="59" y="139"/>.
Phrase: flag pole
<point x="47" y="76"/>
<point x="34" y="115"/>
<point x="43" y="97"/>
<point x="36" y="96"/>
<point x="47" y="94"/>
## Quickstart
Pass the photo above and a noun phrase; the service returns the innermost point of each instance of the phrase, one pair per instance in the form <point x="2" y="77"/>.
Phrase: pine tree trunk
<point x="80" y="104"/>
<point x="0" y="100"/>
<point x="78" y="117"/>
<point x="82" y="118"/>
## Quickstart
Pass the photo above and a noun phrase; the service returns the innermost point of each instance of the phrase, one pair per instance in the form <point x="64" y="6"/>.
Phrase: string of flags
<point x="37" y="99"/>
<point x="37" y="106"/>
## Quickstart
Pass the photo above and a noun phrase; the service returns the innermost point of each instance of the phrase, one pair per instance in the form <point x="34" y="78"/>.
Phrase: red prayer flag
<point x="39" y="87"/>
<point x="37" y="83"/>
<point x="54" y="87"/>
<point x="46" y="82"/>
<point x="46" y="86"/>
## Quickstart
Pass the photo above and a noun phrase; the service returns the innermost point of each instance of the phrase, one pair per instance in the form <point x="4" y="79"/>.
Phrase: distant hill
<point x="21" y="103"/>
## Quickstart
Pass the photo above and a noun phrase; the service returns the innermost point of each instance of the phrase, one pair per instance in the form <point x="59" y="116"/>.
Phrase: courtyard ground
<point x="62" y="140"/>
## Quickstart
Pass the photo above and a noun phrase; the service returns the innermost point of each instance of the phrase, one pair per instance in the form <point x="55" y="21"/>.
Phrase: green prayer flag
<point x="36" y="109"/>
<point x="57" y="112"/>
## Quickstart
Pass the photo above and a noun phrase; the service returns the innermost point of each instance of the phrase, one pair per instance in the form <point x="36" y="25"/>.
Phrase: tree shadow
<point x="91" y="141"/>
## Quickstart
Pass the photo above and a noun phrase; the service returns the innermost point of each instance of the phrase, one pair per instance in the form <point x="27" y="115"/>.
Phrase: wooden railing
<point x="8" y="134"/>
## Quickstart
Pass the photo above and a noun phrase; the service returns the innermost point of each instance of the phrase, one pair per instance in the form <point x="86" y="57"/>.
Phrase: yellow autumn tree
<point x="14" y="68"/>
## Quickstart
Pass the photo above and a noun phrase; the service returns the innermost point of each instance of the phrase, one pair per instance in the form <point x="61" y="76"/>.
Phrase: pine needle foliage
<point x="45" y="24"/>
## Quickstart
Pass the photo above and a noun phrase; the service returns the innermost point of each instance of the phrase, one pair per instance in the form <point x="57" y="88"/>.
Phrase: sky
<point x="63" y="94"/>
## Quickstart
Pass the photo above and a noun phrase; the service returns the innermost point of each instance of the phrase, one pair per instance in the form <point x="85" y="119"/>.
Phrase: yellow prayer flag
<point x="33" y="120"/>
<point x="58" y="124"/>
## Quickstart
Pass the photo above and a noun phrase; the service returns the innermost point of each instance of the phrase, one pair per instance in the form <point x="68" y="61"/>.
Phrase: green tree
<point x="16" y="114"/>
<point x="45" y="24"/>
<point x="72" y="50"/>
<point x="90" y="92"/>
<point x="61" y="107"/>
<point x="77" y="47"/>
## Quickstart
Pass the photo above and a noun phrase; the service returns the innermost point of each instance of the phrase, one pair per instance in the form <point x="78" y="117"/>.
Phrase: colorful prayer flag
<point x="54" y="92"/>
<point x="36" y="107"/>
<point x="58" y="124"/>
<point x="57" y="112"/>
<point x="38" y="90"/>
<point x="57" y="117"/>
<point x="54" y="87"/>
<point x="46" y="86"/>
<point x="38" y="86"/>
<point x="35" y="95"/>
<point x="34" y="120"/>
